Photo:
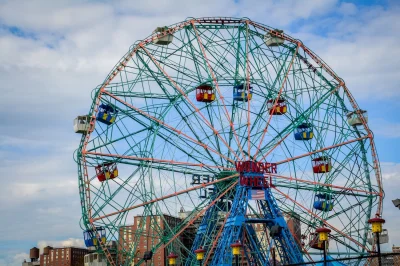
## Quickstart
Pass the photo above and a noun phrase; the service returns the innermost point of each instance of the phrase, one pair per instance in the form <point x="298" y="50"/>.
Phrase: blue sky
<point x="55" y="52"/>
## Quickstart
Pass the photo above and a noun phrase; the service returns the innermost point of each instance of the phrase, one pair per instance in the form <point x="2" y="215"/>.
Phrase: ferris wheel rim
<point x="142" y="44"/>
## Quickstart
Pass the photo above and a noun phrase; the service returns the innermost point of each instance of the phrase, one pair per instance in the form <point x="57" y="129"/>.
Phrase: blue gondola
<point x="106" y="114"/>
<point x="323" y="202"/>
<point x="240" y="92"/>
<point x="303" y="132"/>
<point x="90" y="238"/>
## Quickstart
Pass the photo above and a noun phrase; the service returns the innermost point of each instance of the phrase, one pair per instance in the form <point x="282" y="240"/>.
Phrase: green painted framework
<point x="156" y="100"/>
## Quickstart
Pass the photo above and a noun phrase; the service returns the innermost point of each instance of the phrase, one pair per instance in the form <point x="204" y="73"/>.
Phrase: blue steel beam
<point x="271" y="216"/>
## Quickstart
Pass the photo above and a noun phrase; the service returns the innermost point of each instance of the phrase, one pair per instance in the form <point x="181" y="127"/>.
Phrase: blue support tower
<point x="206" y="230"/>
<point x="254" y="252"/>
<point x="253" y="185"/>
<point x="209" y="227"/>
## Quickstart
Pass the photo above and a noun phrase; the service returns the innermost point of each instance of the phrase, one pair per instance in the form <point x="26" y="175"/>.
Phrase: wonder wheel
<point x="215" y="135"/>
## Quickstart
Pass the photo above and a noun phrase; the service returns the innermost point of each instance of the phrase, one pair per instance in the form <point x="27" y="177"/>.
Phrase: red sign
<point x="256" y="167"/>
<point x="254" y="181"/>
<point x="252" y="173"/>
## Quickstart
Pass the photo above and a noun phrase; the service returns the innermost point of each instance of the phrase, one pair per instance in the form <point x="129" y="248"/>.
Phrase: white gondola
<point x="99" y="259"/>
<point x="95" y="259"/>
<point x="383" y="238"/>
<point x="82" y="124"/>
<point x="354" y="120"/>
<point x="163" y="40"/>
<point x="273" y="40"/>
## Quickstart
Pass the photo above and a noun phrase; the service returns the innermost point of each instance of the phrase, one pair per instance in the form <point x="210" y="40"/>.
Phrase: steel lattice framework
<point x="163" y="139"/>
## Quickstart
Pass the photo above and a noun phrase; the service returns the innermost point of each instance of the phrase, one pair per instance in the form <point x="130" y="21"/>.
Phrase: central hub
<point x="255" y="174"/>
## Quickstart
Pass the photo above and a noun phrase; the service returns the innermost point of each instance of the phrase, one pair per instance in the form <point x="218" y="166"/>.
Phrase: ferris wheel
<point x="216" y="132"/>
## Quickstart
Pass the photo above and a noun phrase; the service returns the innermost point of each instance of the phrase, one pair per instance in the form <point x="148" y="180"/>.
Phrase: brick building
<point x="294" y="225"/>
<point x="66" y="256"/>
<point x="147" y="231"/>
<point x="125" y="241"/>
<point x="386" y="260"/>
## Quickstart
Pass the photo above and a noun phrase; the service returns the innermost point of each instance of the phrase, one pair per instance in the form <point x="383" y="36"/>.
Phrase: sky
<point x="53" y="53"/>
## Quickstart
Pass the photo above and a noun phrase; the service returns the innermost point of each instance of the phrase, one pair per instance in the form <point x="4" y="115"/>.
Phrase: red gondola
<point x="205" y="93"/>
<point x="106" y="171"/>
<point x="280" y="106"/>
<point x="321" y="165"/>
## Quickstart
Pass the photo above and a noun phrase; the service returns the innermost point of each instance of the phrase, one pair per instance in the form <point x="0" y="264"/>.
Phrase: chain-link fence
<point x="386" y="259"/>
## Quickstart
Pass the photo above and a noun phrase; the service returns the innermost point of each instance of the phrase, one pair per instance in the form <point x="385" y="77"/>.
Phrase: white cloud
<point x="50" y="211"/>
<point x="37" y="179"/>
<point x="347" y="8"/>
<point x="43" y="190"/>
<point x="47" y="77"/>
<point x="391" y="184"/>
<point x="70" y="242"/>
<point x="390" y="171"/>
<point x="20" y="257"/>
<point x="283" y="13"/>
<point x="29" y="191"/>
<point x="55" y="15"/>
<point x="360" y="51"/>
<point x="14" y="259"/>
<point x="20" y="142"/>
<point x="386" y="129"/>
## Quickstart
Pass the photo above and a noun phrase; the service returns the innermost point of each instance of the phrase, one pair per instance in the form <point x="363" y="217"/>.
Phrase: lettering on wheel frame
<point x="203" y="179"/>
<point x="255" y="174"/>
